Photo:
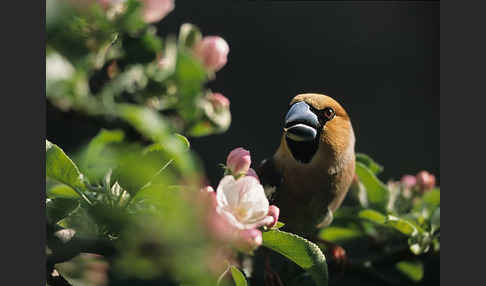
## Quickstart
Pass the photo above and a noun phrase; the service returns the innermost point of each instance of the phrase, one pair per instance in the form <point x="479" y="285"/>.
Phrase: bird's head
<point x="317" y="125"/>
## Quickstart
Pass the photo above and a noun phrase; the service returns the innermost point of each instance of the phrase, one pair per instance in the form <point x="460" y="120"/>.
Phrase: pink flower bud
<point x="408" y="181"/>
<point x="155" y="10"/>
<point x="274" y="212"/>
<point x="212" y="51"/>
<point x="425" y="180"/>
<point x="253" y="174"/>
<point x="218" y="100"/>
<point x="238" y="161"/>
<point x="249" y="239"/>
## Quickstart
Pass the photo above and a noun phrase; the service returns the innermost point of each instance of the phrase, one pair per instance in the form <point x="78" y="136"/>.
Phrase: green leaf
<point x="299" y="250"/>
<point x="105" y="137"/>
<point x="413" y="270"/>
<point x="61" y="168"/>
<point x="238" y="277"/>
<point x="151" y="124"/>
<point x="435" y="220"/>
<point x="377" y="192"/>
<point x="183" y="139"/>
<point x="432" y="197"/>
<point x="402" y="225"/>
<point x="278" y="225"/>
<point x="339" y="234"/>
<point x="372" y="216"/>
<point x="202" y="128"/>
<point x="100" y="141"/>
<point x="59" y="208"/>
<point x="62" y="191"/>
<point x="145" y="120"/>
<point x="369" y="163"/>
<point x="161" y="147"/>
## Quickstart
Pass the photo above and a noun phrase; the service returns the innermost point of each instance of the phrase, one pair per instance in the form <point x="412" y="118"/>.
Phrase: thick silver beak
<point x="301" y="123"/>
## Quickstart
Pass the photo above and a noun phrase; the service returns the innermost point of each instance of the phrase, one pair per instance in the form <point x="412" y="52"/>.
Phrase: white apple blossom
<point x="242" y="202"/>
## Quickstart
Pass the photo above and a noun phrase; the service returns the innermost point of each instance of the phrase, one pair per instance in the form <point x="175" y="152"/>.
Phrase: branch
<point x="65" y="245"/>
<point x="76" y="246"/>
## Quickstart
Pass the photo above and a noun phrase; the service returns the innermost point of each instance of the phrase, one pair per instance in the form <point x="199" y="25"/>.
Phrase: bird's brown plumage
<point x="306" y="191"/>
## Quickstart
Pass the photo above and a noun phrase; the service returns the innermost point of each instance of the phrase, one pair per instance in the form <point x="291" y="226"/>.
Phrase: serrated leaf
<point x="414" y="270"/>
<point x="373" y="216"/>
<point x="59" y="208"/>
<point x="369" y="163"/>
<point x="339" y="234"/>
<point x="299" y="250"/>
<point x="238" y="277"/>
<point x="377" y="192"/>
<point x="61" y="168"/>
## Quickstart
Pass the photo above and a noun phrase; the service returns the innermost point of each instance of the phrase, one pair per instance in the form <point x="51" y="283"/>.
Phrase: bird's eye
<point x="328" y="113"/>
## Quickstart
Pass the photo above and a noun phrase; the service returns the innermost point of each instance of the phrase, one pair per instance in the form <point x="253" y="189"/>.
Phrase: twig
<point x="63" y="252"/>
<point x="156" y="174"/>
<point x="223" y="274"/>
<point x="69" y="247"/>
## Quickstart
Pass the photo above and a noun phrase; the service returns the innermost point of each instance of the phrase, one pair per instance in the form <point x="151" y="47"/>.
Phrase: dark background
<point x="380" y="60"/>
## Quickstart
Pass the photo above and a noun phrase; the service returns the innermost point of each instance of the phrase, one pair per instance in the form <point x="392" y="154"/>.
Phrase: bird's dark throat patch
<point x="303" y="151"/>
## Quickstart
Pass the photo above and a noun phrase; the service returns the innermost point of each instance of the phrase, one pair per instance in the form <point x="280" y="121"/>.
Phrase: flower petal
<point x="226" y="193"/>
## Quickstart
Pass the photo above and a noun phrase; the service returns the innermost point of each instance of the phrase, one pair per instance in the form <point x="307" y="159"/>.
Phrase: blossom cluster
<point x="239" y="206"/>
<point x="211" y="51"/>
<point x="422" y="182"/>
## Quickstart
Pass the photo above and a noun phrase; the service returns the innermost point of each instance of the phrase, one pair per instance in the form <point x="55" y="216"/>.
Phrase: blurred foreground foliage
<point x="126" y="212"/>
<point x="388" y="234"/>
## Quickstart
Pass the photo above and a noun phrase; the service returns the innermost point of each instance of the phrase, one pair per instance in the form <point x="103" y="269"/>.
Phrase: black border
<point x="23" y="133"/>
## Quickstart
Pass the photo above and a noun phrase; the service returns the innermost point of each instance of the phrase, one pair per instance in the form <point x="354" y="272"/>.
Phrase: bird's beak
<point x="301" y="123"/>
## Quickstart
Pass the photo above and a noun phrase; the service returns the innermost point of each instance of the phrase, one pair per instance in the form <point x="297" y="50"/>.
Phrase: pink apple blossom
<point x="408" y="181"/>
<point x="155" y="10"/>
<point x="212" y="51"/>
<point x="242" y="202"/>
<point x="218" y="100"/>
<point x="274" y="212"/>
<point x="249" y="239"/>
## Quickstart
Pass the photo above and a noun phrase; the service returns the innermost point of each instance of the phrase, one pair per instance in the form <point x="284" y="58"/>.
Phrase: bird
<point x="314" y="165"/>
